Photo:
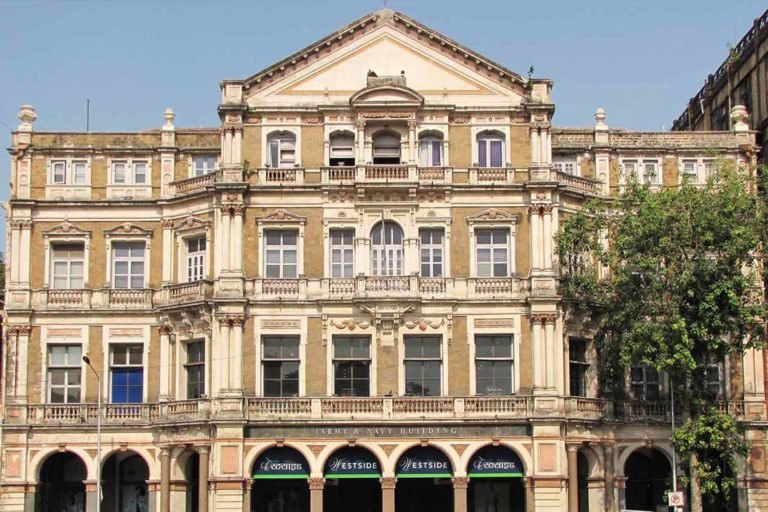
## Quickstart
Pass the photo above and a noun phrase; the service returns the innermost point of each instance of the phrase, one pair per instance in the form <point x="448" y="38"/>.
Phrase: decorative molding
<point x="316" y="484"/>
<point x="20" y="330"/>
<point x="492" y="215"/>
<point x="191" y="223"/>
<point x="312" y="120"/>
<point x="423" y="324"/>
<point x="388" y="482"/>
<point x="543" y="318"/>
<point x="68" y="229"/>
<point x="350" y="325"/>
<point x="126" y="332"/>
<point x="490" y="323"/>
<point x="460" y="120"/>
<point x="128" y="229"/>
<point x="281" y="323"/>
<point x="386" y="115"/>
<point x="460" y="482"/>
<point x="282" y="216"/>
<point x="64" y="332"/>
<point x="166" y="223"/>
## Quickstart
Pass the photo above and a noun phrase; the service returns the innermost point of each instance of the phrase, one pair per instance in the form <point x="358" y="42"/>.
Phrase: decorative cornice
<point x="20" y="330"/>
<point x="350" y="325"/>
<point x="282" y="216"/>
<point x="128" y="229"/>
<point x="191" y="223"/>
<point x="423" y="324"/>
<point x="543" y="318"/>
<point x="492" y="215"/>
<point x="68" y="229"/>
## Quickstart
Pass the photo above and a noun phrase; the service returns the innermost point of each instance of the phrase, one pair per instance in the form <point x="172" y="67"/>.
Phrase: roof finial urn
<point x="740" y="118"/>
<point x="170" y="117"/>
<point x="600" y="119"/>
<point x="27" y="116"/>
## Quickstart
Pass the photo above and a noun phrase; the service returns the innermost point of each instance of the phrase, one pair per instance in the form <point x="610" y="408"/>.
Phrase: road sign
<point x="676" y="499"/>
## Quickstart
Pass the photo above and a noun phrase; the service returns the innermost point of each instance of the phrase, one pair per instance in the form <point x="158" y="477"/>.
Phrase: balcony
<point x="195" y="184"/>
<point x="185" y="293"/>
<point x="280" y="175"/>
<point x="92" y="299"/>
<point x="377" y="174"/>
<point x="491" y="175"/>
<point x="585" y="185"/>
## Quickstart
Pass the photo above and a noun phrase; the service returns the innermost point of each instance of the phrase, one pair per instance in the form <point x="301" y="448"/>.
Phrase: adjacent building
<point x="741" y="80"/>
<point x="344" y="297"/>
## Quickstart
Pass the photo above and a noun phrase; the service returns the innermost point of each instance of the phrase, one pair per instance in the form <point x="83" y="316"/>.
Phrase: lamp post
<point x="98" y="433"/>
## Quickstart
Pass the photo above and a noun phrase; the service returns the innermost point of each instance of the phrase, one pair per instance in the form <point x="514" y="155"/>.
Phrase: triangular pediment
<point x="192" y="223"/>
<point x="386" y="44"/>
<point x="492" y="215"/>
<point x="283" y="216"/>
<point x="66" y="228"/>
<point x="128" y="229"/>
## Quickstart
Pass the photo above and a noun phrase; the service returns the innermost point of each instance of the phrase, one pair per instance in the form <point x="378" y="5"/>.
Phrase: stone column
<point x="165" y="363"/>
<point x="326" y="152"/>
<point x="236" y="150"/>
<point x="236" y="354"/>
<point x="412" y="142"/>
<point x="15" y="250"/>
<point x="530" y="495"/>
<point x="388" y="493"/>
<point x="547" y="245"/>
<point x="226" y="227"/>
<point x="228" y="147"/>
<point x="550" y="364"/>
<point x="538" y="352"/>
<point x="535" y="146"/>
<point x="224" y="353"/>
<point x="316" y="486"/>
<point x="460" y="485"/>
<point x="24" y="249"/>
<point x="167" y="277"/>
<point x="360" y="139"/>
<point x="610" y="497"/>
<point x="237" y="239"/>
<point x="248" y="485"/>
<point x="573" y="477"/>
<point x="535" y="237"/>
<point x="165" y="479"/>
<point x="202" y="478"/>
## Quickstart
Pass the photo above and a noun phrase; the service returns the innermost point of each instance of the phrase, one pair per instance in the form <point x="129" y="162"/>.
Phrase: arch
<point x="436" y="469"/>
<point x="255" y="452"/>
<point x="647" y="471"/>
<point x="629" y="449"/>
<point x="431" y="133"/>
<point x="387" y="95"/>
<point x="341" y="148"/>
<point x="280" y="477"/>
<point x="430" y="147"/>
<point x="594" y="461"/>
<point x="387" y="254"/>
<point x="346" y="451"/>
<point x="386" y="146"/>
<point x="486" y="452"/>
<point x="281" y="148"/>
<point x="37" y="462"/>
<point x="61" y="482"/>
<point x="125" y="477"/>
<point x="154" y="473"/>
<point x="280" y="462"/>
<point x="490" y="148"/>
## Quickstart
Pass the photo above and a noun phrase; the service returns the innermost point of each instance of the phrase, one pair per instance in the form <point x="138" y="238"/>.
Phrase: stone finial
<point x="600" y="119"/>
<point x="27" y="116"/>
<point x="739" y="118"/>
<point x="170" y="117"/>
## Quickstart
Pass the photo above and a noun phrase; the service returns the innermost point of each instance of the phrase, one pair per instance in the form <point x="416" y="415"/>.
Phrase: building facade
<point x="345" y="297"/>
<point x="741" y="80"/>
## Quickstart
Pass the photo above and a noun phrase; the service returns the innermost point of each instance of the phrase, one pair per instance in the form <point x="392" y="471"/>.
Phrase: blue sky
<point x="639" y="59"/>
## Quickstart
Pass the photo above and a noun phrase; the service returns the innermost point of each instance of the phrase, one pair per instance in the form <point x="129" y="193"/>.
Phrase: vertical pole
<point x="573" y="477"/>
<point x="674" y="461"/>
<point x="316" y="486"/>
<point x="165" y="479"/>
<point x="202" y="492"/>
<point x="460" y="485"/>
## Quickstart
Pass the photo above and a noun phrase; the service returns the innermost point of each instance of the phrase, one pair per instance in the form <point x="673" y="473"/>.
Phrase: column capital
<point x="165" y="451"/>
<point x="574" y="446"/>
<point x="204" y="449"/>
<point x="388" y="482"/>
<point x="460" y="482"/>
<point x="316" y="484"/>
<point x="20" y="330"/>
<point x="543" y="318"/>
<point x="166" y="223"/>
<point x="165" y="330"/>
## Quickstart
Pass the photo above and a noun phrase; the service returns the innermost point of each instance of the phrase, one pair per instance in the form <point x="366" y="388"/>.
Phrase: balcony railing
<point x="195" y="184"/>
<point x="577" y="182"/>
<point x="187" y="292"/>
<point x="488" y="175"/>
<point x="89" y="298"/>
<point x="130" y="298"/>
<point x="379" y="173"/>
<point x="281" y="175"/>
<point x="262" y="409"/>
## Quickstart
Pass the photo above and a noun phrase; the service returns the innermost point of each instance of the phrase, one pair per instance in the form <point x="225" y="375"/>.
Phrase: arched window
<point x="342" y="149"/>
<point x="387" y="249"/>
<point x="430" y="150"/>
<point x="282" y="149"/>
<point x="386" y="147"/>
<point x="490" y="149"/>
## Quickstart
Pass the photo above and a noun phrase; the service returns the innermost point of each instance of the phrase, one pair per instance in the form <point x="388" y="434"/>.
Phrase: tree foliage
<point x="674" y="275"/>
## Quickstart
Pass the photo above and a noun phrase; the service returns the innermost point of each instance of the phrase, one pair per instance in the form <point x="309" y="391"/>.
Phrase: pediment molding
<point x="386" y="96"/>
<point x="282" y="216"/>
<point x="493" y="215"/>
<point x="66" y="228"/>
<point x="128" y="229"/>
<point x="192" y="223"/>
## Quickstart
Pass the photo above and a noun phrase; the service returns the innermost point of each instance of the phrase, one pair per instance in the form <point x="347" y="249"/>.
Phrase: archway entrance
<point x="352" y="481"/>
<point x="496" y="481"/>
<point x="424" y="481"/>
<point x="280" y="482"/>
<point x="62" y="484"/>
<point x="192" y="475"/>
<point x="582" y="470"/>
<point x="648" y="473"/>
<point x="125" y="476"/>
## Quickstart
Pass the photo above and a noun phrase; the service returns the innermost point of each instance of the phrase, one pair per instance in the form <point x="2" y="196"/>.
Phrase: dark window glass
<point x="423" y="365"/>
<point x="493" y="365"/>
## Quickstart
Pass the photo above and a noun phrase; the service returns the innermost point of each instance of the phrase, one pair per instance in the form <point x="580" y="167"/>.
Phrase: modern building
<point x="344" y="297"/>
<point x="741" y="80"/>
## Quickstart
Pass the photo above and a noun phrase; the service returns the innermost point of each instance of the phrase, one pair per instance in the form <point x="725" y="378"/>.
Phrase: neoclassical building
<point x="343" y="298"/>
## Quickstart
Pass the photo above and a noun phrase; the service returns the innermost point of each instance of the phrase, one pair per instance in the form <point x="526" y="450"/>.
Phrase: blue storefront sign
<point x="352" y="462"/>
<point x="495" y="462"/>
<point x="281" y="463"/>
<point x="424" y="462"/>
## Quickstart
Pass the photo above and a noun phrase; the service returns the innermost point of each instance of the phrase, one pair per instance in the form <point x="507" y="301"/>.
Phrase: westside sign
<point x="352" y="463"/>
<point x="495" y="462"/>
<point x="424" y="462"/>
<point x="280" y="463"/>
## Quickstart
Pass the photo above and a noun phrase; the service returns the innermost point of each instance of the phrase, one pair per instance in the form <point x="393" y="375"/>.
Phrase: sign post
<point x="676" y="499"/>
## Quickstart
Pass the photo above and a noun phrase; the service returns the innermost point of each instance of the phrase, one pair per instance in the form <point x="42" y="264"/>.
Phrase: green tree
<point x="673" y="277"/>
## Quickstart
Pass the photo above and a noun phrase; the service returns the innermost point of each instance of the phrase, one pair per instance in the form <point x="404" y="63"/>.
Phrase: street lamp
<point x="98" y="433"/>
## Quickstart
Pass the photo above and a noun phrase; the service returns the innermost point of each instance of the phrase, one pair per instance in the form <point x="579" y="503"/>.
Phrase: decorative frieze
<point x="494" y="323"/>
<point x="281" y="323"/>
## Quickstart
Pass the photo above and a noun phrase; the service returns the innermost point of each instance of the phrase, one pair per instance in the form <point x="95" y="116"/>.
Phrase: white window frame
<point x="495" y="325"/>
<point x="66" y="234"/>
<point x="130" y="260"/>
<point x="69" y="261"/>
<point x="68" y="176"/>
<point x="375" y="269"/>
<point x="431" y="247"/>
<point x="144" y="366"/>
<point x="265" y="328"/>
<point x="186" y="365"/>
<point x="342" y="249"/>
<point x="194" y="159"/>
<point x="369" y="359"/>
<point x="513" y="362"/>
<point x="561" y="163"/>
<point x="382" y="133"/>
<point x="70" y="366"/>
<point x="196" y="260"/>
<point x="641" y="165"/>
<point x="281" y="220"/>
<point x="443" y="362"/>
<point x="493" y="247"/>
<point x="430" y="140"/>
<point x="298" y="359"/>
<point x="700" y="174"/>
<point x="127" y="233"/>
<point x="503" y="221"/>
<point x="331" y="146"/>
<point x="484" y="131"/>
<point x="130" y="166"/>
<point x="278" y="136"/>
<point x="186" y="230"/>
<point x="281" y="249"/>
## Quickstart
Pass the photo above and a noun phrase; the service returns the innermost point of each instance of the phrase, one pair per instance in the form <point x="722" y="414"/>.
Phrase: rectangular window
<point x="492" y="251"/>
<point x="566" y="164"/>
<point x="59" y="171"/>
<point x="342" y="252"/>
<point x="79" y="172"/>
<point x="67" y="262"/>
<point x="128" y="264"/>
<point x="202" y="165"/>
<point x="126" y="371"/>
<point x="352" y="365"/>
<point x="430" y="153"/>
<point x="644" y="383"/>
<point x="64" y="374"/>
<point x="689" y="169"/>
<point x="195" y="259"/>
<point x="651" y="171"/>
<point x="490" y="152"/>
<point x="431" y="252"/>
<point x="281" y="261"/>
<point x="423" y="365"/>
<point x="139" y="173"/>
<point x="494" y="368"/>
<point x="630" y="169"/>
<point x="195" y="369"/>
<point x="709" y="168"/>
<point x="282" y="152"/>
<point x="578" y="366"/>
<point x="119" y="176"/>
<point x="710" y="371"/>
<point x="280" y="365"/>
